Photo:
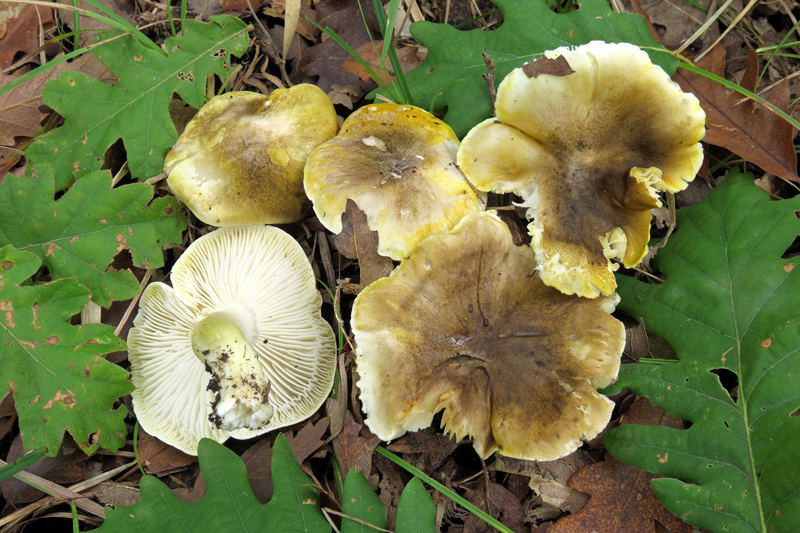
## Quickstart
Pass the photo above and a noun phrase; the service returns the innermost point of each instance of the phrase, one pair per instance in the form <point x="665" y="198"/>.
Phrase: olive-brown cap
<point x="240" y="159"/>
<point x="398" y="163"/>
<point x="464" y="325"/>
<point x="588" y="137"/>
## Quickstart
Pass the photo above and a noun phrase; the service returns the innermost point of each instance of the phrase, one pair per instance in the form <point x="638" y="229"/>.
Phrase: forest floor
<point x="523" y="495"/>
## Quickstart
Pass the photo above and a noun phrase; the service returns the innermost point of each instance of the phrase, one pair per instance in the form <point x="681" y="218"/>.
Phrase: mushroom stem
<point x="238" y="381"/>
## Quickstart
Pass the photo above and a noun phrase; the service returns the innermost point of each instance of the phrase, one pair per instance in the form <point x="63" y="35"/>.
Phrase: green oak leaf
<point x="79" y="234"/>
<point x="54" y="370"/>
<point x="730" y="306"/>
<point x="228" y="503"/>
<point x="359" y="501"/>
<point x="136" y="108"/>
<point x="416" y="512"/>
<point x="452" y="74"/>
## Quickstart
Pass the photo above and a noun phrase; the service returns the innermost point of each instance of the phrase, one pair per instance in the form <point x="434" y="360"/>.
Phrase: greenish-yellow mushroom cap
<point x="588" y="137"/>
<point x="398" y="163"/>
<point x="464" y="325"/>
<point x="240" y="159"/>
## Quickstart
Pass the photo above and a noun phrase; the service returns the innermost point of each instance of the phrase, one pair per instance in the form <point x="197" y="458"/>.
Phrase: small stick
<point x="489" y="77"/>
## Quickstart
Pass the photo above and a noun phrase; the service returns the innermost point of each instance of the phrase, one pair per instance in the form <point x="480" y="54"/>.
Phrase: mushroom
<point x="397" y="163"/>
<point x="240" y="159"/>
<point x="464" y="325"/>
<point x="237" y="346"/>
<point x="588" y="137"/>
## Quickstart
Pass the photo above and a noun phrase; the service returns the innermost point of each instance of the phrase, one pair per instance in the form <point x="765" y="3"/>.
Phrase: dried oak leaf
<point x="369" y="52"/>
<point x="357" y="241"/>
<point x="19" y="29"/>
<point x="258" y="457"/>
<point x="65" y="468"/>
<point x="745" y="128"/>
<point x="325" y="59"/>
<point x="351" y="450"/>
<point x="21" y="109"/>
<point x="621" y="498"/>
<point x="277" y="9"/>
<point x="308" y="439"/>
<point x="159" y="457"/>
<point x="621" y="501"/>
<point x="503" y="506"/>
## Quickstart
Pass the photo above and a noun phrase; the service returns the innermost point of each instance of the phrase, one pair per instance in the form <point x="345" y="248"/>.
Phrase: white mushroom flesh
<point x="238" y="381"/>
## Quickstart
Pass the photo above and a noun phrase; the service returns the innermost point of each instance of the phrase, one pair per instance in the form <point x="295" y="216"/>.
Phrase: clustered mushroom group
<point x="509" y="342"/>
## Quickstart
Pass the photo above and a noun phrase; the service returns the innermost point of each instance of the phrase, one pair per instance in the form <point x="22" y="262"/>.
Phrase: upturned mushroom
<point x="237" y="346"/>
<point x="397" y="163"/>
<point x="588" y="137"/>
<point x="240" y="159"/>
<point x="466" y="327"/>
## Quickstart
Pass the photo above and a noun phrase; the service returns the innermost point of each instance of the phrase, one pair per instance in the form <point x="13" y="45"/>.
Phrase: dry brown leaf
<point x="352" y="450"/>
<point x="19" y="29"/>
<point x="160" y="458"/>
<point x="325" y="59"/>
<point x="125" y="9"/>
<point x="276" y="8"/>
<point x="644" y="413"/>
<point x="675" y="22"/>
<point x="308" y="439"/>
<point x="8" y="415"/>
<point x="502" y="505"/>
<point x="63" y="469"/>
<point x="240" y="6"/>
<point x="357" y="241"/>
<point x="21" y="109"/>
<point x="258" y="457"/>
<point x="621" y="501"/>
<point x="745" y="128"/>
<point x="369" y="53"/>
<point x="258" y="463"/>
<point x="112" y="493"/>
<point x="434" y="447"/>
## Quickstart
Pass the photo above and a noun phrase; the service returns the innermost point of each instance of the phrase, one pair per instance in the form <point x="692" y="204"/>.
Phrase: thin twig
<point x="733" y="24"/>
<point x="489" y="77"/>
<point x="129" y="310"/>
<point x="354" y="519"/>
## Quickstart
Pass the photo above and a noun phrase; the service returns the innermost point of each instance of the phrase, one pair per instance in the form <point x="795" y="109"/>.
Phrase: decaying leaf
<point x="277" y="8"/>
<point x="325" y="59"/>
<point x="357" y="241"/>
<point x="308" y="439"/>
<point x="21" y="109"/>
<point x="352" y="450"/>
<point x="621" y="502"/>
<point x="64" y="469"/>
<point x="370" y="53"/>
<point x="160" y="458"/>
<point x="19" y="29"/>
<point x="741" y="125"/>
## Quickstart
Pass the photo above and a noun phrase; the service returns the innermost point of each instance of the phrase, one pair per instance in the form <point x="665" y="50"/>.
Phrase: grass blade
<point x="444" y="490"/>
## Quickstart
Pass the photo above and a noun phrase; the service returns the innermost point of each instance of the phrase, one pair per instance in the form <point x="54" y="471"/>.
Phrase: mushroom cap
<point x="259" y="278"/>
<point x="465" y="325"/>
<point x="240" y="159"/>
<point x="397" y="163"/>
<point x="588" y="147"/>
